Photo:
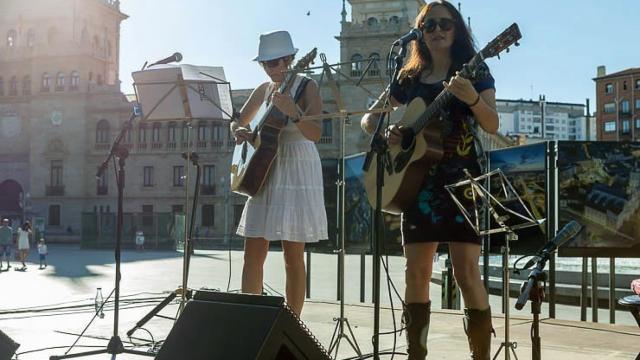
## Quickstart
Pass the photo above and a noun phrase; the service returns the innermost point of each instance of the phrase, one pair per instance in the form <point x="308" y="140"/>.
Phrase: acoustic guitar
<point x="252" y="159"/>
<point x="422" y="139"/>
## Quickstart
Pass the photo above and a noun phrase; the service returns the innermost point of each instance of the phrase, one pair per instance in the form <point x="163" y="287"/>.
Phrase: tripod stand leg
<point x="152" y="313"/>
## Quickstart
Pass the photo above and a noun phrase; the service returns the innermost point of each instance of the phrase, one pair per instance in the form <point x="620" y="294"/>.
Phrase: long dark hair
<point x="26" y="226"/>
<point x="462" y="49"/>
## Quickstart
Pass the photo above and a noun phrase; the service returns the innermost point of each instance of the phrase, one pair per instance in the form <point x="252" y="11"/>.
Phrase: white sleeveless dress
<point x="290" y="205"/>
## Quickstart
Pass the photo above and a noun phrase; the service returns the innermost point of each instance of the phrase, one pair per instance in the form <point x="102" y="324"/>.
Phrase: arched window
<point x="26" y="85"/>
<point x="60" y="81"/>
<point x="372" y="21"/>
<point x="172" y="135"/>
<point x="52" y="36"/>
<point x="31" y="38"/>
<point x="13" y="86"/>
<point x="356" y="65"/>
<point x="374" y="58"/>
<point x="12" y="38"/>
<point x="1" y="86"/>
<point x="103" y="132"/>
<point x="394" y="20"/>
<point x="75" y="80"/>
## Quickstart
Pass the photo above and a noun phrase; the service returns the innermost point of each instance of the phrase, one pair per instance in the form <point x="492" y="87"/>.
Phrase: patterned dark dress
<point x="434" y="217"/>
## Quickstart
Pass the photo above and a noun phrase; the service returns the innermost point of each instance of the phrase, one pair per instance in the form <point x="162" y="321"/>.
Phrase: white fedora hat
<point x="275" y="44"/>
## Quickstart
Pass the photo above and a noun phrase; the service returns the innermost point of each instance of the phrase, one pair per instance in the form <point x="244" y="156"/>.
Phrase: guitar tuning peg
<point x="498" y="56"/>
<point x="517" y="43"/>
<point x="507" y="50"/>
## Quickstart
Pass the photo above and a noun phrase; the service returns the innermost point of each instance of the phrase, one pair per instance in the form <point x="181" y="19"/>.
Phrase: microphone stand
<point x="115" y="345"/>
<point x="379" y="148"/>
<point x="531" y="290"/>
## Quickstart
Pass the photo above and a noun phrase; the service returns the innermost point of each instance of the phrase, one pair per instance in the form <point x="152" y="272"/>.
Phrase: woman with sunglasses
<point x="432" y="65"/>
<point x="290" y="206"/>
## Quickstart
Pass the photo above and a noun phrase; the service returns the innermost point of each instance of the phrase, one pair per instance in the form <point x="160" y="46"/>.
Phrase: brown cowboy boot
<point x="477" y="326"/>
<point x="417" y="317"/>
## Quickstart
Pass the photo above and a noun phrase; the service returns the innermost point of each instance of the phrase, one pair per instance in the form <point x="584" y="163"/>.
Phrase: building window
<point x="208" y="180"/>
<point x="207" y="215"/>
<point x="374" y="69"/>
<point x="626" y="127"/>
<point x="178" y="176"/>
<point x="394" y="20"/>
<point x="327" y="128"/>
<point x="60" y="82"/>
<point x="31" y="38"/>
<point x="46" y="82"/>
<point x="638" y="123"/>
<point x="26" y="85"/>
<point x="1" y="86"/>
<point x="624" y="107"/>
<point x="624" y="85"/>
<point x="142" y="133"/>
<point x="155" y="133"/>
<point x="372" y="21"/>
<point x="147" y="215"/>
<point x="610" y="126"/>
<point x="637" y="84"/>
<point x="54" y="215"/>
<point x="608" y="88"/>
<point x="12" y="38"/>
<point x="148" y="176"/>
<point x="103" y="130"/>
<point x="637" y="104"/>
<point x="217" y="134"/>
<point x="75" y="81"/>
<point x="56" y="173"/>
<point x="13" y="86"/>
<point x="609" y="108"/>
<point x="356" y="65"/>
<point x="172" y="133"/>
<point x="177" y="209"/>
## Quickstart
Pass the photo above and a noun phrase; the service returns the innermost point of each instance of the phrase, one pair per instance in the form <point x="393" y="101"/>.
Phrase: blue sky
<point x="563" y="41"/>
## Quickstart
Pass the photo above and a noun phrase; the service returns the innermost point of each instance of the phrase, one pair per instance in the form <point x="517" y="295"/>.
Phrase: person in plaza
<point x="139" y="240"/>
<point x="290" y="206"/>
<point x="6" y="239"/>
<point x="433" y="64"/>
<point x="23" y="243"/>
<point x="43" y="251"/>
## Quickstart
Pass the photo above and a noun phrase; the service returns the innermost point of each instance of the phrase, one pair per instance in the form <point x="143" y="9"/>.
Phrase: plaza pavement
<point x="43" y="308"/>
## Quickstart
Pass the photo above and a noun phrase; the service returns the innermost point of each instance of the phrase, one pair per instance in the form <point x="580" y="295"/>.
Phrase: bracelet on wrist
<point x="475" y="102"/>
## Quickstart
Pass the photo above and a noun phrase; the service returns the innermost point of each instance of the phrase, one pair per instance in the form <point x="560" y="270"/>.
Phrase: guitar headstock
<point x="306" y="60"/>
<point x="502" y="42"/>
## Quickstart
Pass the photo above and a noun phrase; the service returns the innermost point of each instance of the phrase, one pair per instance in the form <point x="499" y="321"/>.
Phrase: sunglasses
<point x="273" y="63"/>
<point x="445" y="24"/>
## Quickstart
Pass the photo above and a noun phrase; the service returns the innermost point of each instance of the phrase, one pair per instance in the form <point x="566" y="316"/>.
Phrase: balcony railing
<point x="54" y="190"/>
<point x="207" y="189"/>
<point x="201" y="144"/>
<point x="171" y="146"/>
<point x="156" y="145"/>
<point x="326" y="140"/>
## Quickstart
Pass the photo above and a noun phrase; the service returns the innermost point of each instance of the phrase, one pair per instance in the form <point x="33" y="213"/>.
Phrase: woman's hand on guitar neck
<point x="242" y="134"/>
<point x="285" y="104"/>
<point x="393" y="135"/>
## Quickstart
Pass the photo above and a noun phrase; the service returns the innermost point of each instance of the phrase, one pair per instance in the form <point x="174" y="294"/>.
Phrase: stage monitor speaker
<point x="217" y="325"/>
<point x="8" y="347"/>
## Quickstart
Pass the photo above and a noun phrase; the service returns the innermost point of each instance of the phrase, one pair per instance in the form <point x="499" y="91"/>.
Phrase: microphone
<point x="176" y="57"/>
<point x="567" y="233"/>
<point x="414" y="34"/>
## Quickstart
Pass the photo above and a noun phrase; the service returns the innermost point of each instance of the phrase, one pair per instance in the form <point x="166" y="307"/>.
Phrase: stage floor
<point x="43" y="308"/>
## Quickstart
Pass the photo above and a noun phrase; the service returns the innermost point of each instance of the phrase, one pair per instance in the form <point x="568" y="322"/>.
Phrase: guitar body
<point x="252" y="161"/>
<point x="410" y="161"/>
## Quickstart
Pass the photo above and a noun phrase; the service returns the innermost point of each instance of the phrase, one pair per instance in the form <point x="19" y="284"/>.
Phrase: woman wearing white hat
<point x="290" y="206"/>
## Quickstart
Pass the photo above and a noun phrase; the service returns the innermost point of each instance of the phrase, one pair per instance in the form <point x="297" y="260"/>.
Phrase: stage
<point x="63" y="295"/>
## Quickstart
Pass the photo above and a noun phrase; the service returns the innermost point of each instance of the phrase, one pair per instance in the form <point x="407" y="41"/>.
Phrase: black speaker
<point x="215" y="325"/>
<point x="8" y="347"/>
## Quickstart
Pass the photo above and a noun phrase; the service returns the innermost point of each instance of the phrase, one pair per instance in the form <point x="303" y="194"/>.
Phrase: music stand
<point x="495" y="204"/>
<point x="182" y="93"/>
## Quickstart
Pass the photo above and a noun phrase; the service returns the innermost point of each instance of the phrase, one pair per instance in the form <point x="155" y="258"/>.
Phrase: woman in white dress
<point x="290" y="205"/>
<point x="23" y="243"/>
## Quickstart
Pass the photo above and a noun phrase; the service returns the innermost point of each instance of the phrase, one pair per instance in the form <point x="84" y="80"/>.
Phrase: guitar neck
<point x="442" y="100"/>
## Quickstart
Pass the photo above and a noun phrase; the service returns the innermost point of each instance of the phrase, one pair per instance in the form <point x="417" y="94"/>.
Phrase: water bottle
<point x="98" y="303"/>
